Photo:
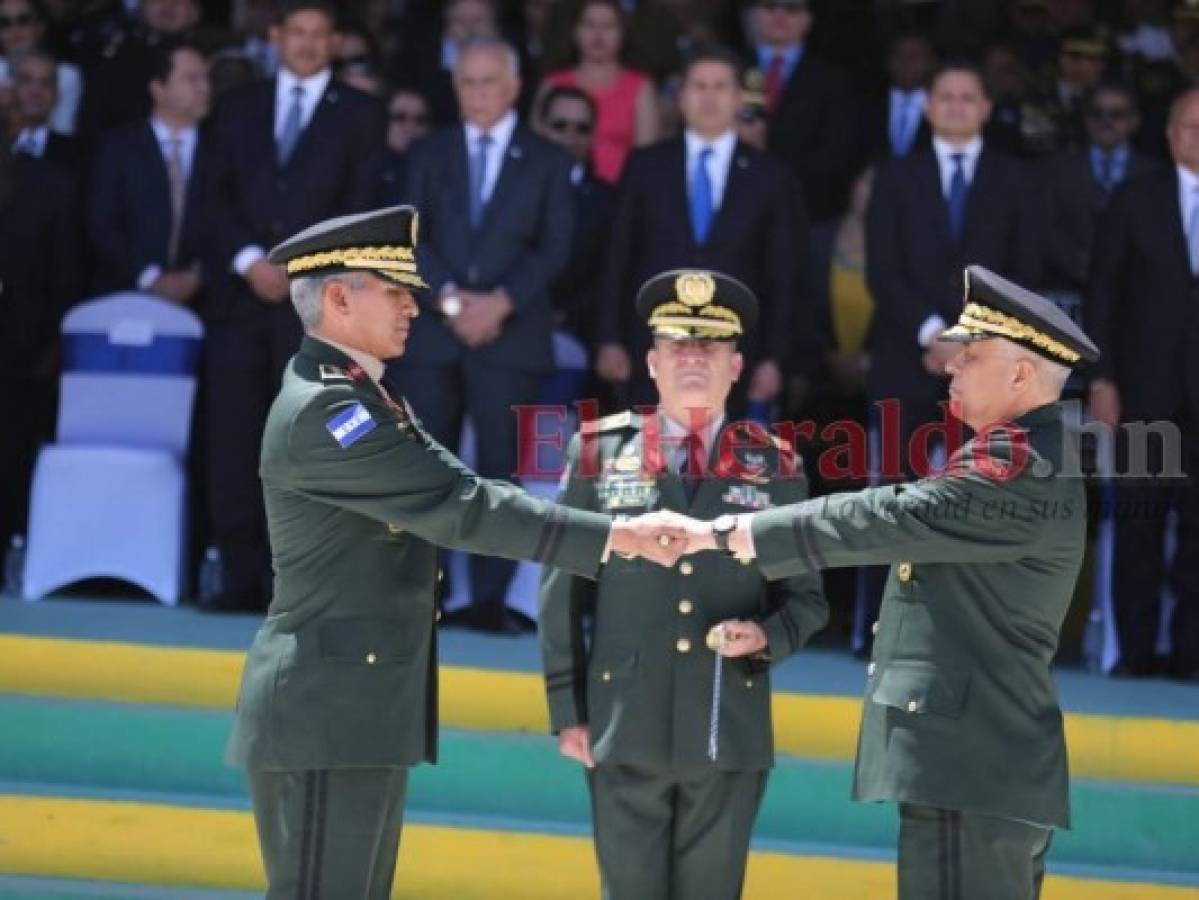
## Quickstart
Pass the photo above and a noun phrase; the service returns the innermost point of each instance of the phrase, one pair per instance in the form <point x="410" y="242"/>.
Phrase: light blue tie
<point x="293" y="124"/>
<point x="1193" y="231"/>
<point x="701" y="197"/>
<point x="478" y="180"/>
<point x="957" y="194"/>
<point x="901" y="128"/>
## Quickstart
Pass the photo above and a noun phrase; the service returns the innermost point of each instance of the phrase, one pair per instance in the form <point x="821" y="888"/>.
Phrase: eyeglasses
<point x="405" y="118"/>
<point x="18" y="21"/>
<point x="561" y="126"/>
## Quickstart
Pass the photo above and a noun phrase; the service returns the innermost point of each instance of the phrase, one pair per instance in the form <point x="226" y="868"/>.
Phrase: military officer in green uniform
<point x="675" y="783"/>
<point x="961" y="723"/>
<point x="338" y="697"/>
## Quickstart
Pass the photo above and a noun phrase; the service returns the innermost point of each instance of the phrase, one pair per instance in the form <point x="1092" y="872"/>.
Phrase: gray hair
<point x="308" y="294"/>
<point x="489" y="45"/>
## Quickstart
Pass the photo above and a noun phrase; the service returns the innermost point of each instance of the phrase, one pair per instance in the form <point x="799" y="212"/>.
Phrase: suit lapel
<point x="928" y="173"/>
<point x="734" y="194"/>
<point x="323" y="120"/>
<point x="509" y="179"/>
<point x="158" y="182"/>
<point x="1172" y="218"/>
<point x="976" y="196"/>
<point x="675" y="188"/>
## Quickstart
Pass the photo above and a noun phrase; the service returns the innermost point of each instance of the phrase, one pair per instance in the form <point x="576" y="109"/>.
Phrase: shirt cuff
<point x="246" y="257"/>
<point x="931" y="326"/>
<point x="608" y="543"/>
<point x="746" y="536"/>
<point x="150" y="274"/>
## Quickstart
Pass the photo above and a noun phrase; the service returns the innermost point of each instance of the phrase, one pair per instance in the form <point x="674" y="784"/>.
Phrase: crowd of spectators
<point x="844" y="158"/>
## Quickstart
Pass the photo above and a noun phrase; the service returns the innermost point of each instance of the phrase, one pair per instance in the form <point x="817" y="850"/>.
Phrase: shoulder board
<point x="608" y="423"/>
<point x="334" y="373"/>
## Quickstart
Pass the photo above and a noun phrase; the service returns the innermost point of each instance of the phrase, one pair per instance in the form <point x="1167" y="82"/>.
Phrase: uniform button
<point x="686" y="568"/>
<point x="874" y="628"/>
<point x="685" y="607"/>
<point x="607" y="676"/>
<point x="683" y="645"/>
<point x="441" y="574"/>
<point x="370" y="659"/>
<point x="394" y="528"/>
<point x="913" y="706"/>
<point x="749" y="682"/>
<point x="870" y="670"/>
<point x="905" y="572"/>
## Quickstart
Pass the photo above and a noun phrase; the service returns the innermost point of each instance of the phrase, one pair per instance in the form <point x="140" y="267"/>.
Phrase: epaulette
<point x="333" y="373"/>
<point x="607" y="423"/>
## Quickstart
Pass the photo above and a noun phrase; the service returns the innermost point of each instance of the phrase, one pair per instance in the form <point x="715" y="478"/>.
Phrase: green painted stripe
<point x="89" y="748"/>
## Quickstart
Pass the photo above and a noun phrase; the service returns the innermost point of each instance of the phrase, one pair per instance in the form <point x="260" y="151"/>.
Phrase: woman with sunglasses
<point x="624" y="98"/>
<point x="22" y="28"/>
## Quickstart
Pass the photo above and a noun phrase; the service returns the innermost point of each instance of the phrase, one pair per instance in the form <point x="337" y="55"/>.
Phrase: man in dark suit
<point x="894" y="125"/>
<point x="811" y="121"/>
<point x="35" y="94"/>
<point x="567" y="117"/>
<point x="931" y="214"/>
<point x="705" y="200"/>
<point x="1079" y="186"/>
<point x="1144" y="288"/>
<point x="39" y="262"/>
<point x="147" y="188"/>
<point x="287" y="152"/>
<point x="496" y="206"/>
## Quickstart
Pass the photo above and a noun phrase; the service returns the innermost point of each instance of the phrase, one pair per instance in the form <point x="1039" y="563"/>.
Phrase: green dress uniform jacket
<point x="960" y="712"/>
<point x="342" y="673"/>
<point x="644" y="683"/>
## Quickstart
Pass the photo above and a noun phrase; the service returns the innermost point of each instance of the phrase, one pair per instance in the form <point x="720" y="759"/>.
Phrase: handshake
<point x="665" y="536"/>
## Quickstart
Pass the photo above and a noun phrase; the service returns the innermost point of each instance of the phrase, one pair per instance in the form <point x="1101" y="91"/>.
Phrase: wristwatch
<point x="722" y="529"/>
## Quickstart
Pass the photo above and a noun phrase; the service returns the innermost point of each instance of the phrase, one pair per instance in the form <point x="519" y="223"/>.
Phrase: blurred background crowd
<point x="844" y="158"/>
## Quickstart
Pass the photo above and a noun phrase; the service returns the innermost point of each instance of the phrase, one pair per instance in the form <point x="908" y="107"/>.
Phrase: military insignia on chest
<point x="747" y="496"/>
<point x="623" y="484"/>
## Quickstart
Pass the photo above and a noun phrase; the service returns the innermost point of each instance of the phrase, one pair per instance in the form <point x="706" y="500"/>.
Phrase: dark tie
<point x="701" y="197"/>
<point x="293" y="124"/>
<point x="772" y="86"/>
<point x="957" y="194"/>
<point x="691" y="464"/>
<point x="177" y="180"/>
<point x="478" y="180"/>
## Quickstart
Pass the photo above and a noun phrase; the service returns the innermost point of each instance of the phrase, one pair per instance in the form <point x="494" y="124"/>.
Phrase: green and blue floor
<point x="113" y="717"/>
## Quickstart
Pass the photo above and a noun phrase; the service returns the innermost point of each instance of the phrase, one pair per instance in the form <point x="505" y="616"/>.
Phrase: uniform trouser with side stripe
<point x="950" y="855"/>
<point x="671" y="834"/>
<point x="329" y="834"/>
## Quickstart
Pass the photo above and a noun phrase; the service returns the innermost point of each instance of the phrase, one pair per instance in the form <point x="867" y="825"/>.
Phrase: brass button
<point x="607" y="676"/>
<point x="685" y="607"/>
<point x="870" y="670"/>
<point x="904" y="572"/>
<point x="394" y="528"/>
<point x="441" y="575"/>
<point x="370" y="659"/>
<point x="749" y="682"/>
<point x="874" y="628"/>
<point x="913" y="706"/>
<point x="685" y="567"/>
<point x="683" y="645"/>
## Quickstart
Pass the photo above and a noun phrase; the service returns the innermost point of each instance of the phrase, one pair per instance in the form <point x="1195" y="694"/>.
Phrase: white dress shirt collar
<point x="314" y="88"/>
<point x="501" y="137"/>
<point x="187" y="141"/>
<point x="723" y="149"/>
<point x="971" y="151"/>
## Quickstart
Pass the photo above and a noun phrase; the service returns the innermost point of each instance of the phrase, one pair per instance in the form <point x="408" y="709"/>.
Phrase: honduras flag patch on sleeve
<point x="351" y="425"/>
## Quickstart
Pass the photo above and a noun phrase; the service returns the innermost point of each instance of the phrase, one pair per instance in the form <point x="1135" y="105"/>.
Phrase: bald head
<point x="1183" y="130"/>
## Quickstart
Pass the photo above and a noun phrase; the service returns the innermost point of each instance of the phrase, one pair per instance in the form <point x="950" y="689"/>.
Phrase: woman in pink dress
<point x="627" y="111"/>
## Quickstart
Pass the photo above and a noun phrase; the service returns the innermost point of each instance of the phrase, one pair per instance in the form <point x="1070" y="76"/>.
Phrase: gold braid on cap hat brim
<point x="716" y="322"/>
<point x="978" y="318"/>
<point x="396" y="263"/>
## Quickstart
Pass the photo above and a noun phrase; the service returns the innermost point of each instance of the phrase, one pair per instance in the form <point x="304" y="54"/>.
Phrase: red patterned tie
<point x="773" y="86"/>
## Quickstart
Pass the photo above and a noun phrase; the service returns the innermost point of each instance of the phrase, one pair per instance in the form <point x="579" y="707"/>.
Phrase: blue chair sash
<point x="164" y="355"/>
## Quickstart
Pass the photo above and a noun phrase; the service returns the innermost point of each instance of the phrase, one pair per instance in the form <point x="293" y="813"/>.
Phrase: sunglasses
<point x="561" y="126"/>
<point x="404" y="118"/>
<point x="18" y="21"/>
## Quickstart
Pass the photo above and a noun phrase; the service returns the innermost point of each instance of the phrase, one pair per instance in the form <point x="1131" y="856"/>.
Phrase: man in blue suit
<point x="288" y="152"/>
<point x="496" y="206"/>
<point x="145" y="212"/>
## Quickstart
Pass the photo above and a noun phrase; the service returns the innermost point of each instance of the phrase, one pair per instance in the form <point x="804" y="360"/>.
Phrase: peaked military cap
<point x="697" y="304"/>
<point x="996" y="307"/>
<point x="381" y="242"/>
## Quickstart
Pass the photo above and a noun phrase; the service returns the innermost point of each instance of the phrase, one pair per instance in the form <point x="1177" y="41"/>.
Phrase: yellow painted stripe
<point x="149" y="844"/>
<point x="809" y="725"/>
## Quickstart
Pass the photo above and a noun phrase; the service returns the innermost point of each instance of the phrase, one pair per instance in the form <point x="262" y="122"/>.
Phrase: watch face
<point x="451" y="306"/>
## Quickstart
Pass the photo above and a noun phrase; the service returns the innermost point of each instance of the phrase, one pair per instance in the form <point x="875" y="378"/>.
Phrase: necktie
<point x="1192" y="225"/>
<point x="478" y="179"/>
<point x="1107" y="170"/>
<point x="177" y="182"/>
<point x="293" y="124"/>
<point x="902" y="131"/>
<point x="772" y="84"/>
<point x="701" y="197"/>
<point x="957" y="194"/>
<point x="689" y="463"/>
